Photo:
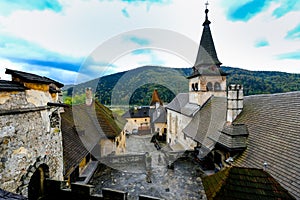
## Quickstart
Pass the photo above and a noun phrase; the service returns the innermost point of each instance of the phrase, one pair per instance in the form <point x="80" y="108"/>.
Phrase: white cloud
<point x="4" y="63"/>
<point x="82" y="26"/>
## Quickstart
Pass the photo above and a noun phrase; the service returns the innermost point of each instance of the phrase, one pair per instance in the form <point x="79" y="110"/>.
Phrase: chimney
<point x="88" y="96"/>
<point x="234" y="101"/>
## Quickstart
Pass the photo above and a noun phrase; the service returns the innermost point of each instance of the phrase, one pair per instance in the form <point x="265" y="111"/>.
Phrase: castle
<point x="213" y="119"/>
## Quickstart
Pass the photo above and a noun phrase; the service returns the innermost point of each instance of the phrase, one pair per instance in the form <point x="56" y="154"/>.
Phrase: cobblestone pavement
<point x="182" y="182"/>
<point x="139" y="144"/>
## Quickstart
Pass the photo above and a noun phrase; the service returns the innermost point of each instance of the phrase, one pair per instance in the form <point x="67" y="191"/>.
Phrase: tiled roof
<point x="73" y="149"/>
<point x="235" y="130"/>
<point x="178" y="102"/>
<point x="155" y="98"/>
<point x="207" y="123"/>
<point x="139" y="112"/>
<point x="243" y="183"/>
<point x="11" y="86"/>
<point x="234" y="137"/>
<point x="274" y="137"/>
<point x="32" y="78"/>
<point x="181" y="105"/>
<point x="159" y="115"/>
<point x="89" y="124"/>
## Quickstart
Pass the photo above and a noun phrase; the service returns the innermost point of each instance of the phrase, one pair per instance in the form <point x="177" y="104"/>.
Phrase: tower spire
<point x="207" y="55"/>
<point x="206" y="22"/>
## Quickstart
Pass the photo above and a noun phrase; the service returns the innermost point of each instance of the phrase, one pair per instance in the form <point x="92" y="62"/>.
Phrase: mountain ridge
<point x="135" y="87"/>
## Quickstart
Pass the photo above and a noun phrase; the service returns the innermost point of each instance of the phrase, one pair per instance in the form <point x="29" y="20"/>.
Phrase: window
<point x="217" y="86"/>
<point x="145" y="120"/>
<point x="135" y="120"/>
<point x="209" y="86"/>
<point x="193" y="87"/>
<point x="196" y="86"/>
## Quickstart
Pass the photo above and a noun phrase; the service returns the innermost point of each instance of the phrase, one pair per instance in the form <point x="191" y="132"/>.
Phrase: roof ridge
<point x="273" y="94"/>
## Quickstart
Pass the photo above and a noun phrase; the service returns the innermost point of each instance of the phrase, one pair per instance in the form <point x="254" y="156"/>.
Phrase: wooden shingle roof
<point x="207" y="54"/>
<point x="82" y="128"/>
<point x="159" y="115"/>
<point x="243" y="183"/>
<point x="11" y="86"/>
<point x="181" y="105"/>
<point x="274" y="137"/>
<point x="32" y="78"/>
<point x="73" y="148"/>
<point x="155" y="99"/>
<point x="206" y="125"/>
<point x="234" y="137"/>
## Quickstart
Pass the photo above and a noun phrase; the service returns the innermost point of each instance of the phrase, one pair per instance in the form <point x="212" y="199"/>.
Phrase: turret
<point x="207" y="78"/>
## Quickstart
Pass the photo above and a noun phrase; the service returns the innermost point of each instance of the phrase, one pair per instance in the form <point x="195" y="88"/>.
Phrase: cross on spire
<point x="206" y="4"/>
<point x="207" y="22"/>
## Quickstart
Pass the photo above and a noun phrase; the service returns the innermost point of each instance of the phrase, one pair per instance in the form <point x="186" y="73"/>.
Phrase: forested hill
<point x="136" y="86"/>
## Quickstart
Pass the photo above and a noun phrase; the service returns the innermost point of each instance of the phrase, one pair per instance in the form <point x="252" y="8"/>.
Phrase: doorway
<point x="36" y="187"/>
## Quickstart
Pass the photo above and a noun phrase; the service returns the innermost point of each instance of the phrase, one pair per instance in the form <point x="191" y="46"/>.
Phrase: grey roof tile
<point x="181" y="105"/>
<point x="273" y="125"/>
<point x="159" y="115"/>
<point x="243" y="183"/>
<point x="206" y="125"/>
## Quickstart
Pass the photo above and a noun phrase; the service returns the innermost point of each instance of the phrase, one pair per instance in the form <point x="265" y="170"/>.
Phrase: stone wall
<point x="176" y="123"/>
<point x="28" y="139"/>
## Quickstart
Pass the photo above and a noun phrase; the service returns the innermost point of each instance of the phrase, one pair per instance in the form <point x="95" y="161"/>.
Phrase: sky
<point x="67" y="39"/>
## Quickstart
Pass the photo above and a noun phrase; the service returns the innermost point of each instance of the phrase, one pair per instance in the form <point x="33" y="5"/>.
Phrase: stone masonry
<point x="28" y="139"/>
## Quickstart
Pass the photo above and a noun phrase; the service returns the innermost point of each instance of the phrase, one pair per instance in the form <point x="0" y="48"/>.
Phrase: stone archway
<point x="36" y="187"/>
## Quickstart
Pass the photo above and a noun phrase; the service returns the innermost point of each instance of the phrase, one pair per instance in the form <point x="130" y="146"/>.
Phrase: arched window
<point x="209" y="86"/>
<point x="193" y="87"/>
<point x="196" y="86"/>
<point x="217" y="86"/>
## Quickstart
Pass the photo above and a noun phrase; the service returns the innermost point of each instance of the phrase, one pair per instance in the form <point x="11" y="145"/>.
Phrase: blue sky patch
<point x="291" y="55"/>
<point x="285" y="7"/>
<point x="138" y="40"/>
<point x="22" y="51"/>
<point x="246" y="11"/>
<point x="294" y="33"/>
<point x="125" y="12"/>
<point x="261" y="43"/>
<point x="55" y="64"/>
<point x="147" y="1"/>
<point x="141" y="51"/>
<point x="9" y="6"/>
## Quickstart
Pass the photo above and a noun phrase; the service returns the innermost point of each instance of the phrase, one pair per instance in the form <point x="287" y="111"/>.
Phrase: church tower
<point x="207" y="78"/>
